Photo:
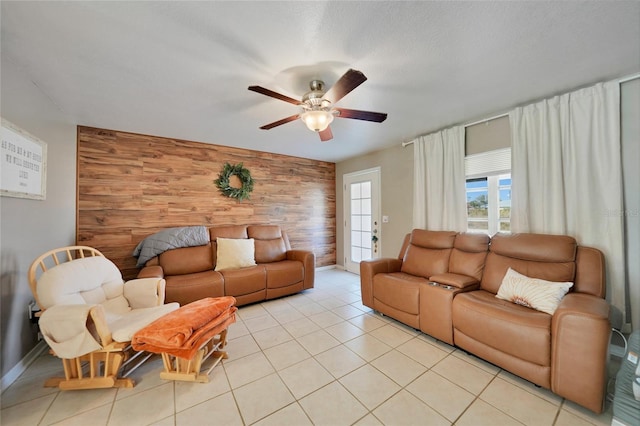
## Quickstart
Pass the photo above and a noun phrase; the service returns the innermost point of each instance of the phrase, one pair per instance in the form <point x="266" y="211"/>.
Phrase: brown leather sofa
<point x="445" y="283"/>
<point x="190" y="271"/>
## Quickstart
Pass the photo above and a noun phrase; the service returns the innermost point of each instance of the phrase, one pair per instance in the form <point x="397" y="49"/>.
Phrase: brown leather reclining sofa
<point x="190" y="271"/>
<point x="445" y="284"/>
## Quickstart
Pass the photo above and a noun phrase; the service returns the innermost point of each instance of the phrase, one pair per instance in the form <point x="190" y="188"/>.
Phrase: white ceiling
<point x="181" y="69"/>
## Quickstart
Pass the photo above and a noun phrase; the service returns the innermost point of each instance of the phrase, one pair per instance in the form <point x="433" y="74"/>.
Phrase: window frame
<point x="492" y="166"/>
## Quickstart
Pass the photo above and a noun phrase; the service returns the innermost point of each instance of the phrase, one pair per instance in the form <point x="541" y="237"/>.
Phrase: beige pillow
<point x="533" y="293"/>
<point x="235" y="253"/>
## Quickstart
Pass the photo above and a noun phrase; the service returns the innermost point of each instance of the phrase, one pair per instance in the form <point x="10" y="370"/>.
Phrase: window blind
<point x="488" y="163"/>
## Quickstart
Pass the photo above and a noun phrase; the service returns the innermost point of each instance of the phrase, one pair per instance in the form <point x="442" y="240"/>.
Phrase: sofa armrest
<point x="151" y="272"/>
<point x="308" y="259"/>
<point x="145" y="292"/>
<point x="580" y="333"/>
<point x="368" y="269"/>
<point x="455" y="280"/>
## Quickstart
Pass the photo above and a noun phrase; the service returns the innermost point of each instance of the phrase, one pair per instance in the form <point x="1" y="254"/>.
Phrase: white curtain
<point x="567" y="174"/>
<point x="439" y="200"/>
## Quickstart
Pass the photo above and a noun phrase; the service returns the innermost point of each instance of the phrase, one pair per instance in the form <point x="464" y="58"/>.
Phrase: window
<point x="360" y="221"/>
<point x="489" y="204"/>
<point x="488" y="191"/>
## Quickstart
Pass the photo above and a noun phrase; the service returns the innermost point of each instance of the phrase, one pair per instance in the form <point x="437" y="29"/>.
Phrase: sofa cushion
<point x="229" y="231"/>
<point x="469" y="264"/>
<point x="548" y="257"/>
<point x="496" y="267"/>
<point x="469" y="254"/>
<point x="264" y="232"/>
<point x="433" y="239"/>
<point x="428" y="253"/>
<point x="235" y="253"/>
<point x="238" y="282"/>
<point x="284" y="273"/>
<point x="186" y="260"/>
<point x="535" y="247"/>
<point x="187" y="288"/>
<point x="270" y="244"/>
<point x="513" y="329"/>
<point x="425" y="262"/>
<point x="398" y="290"/>
<point x="472" y="242"/>
<point x="541" y="295"/>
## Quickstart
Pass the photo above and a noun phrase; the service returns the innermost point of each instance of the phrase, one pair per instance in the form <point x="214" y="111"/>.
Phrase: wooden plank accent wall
<point x="131" y="186"/>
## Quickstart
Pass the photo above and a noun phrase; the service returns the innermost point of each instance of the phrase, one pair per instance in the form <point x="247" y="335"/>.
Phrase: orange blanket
<point x="182" y="332"/>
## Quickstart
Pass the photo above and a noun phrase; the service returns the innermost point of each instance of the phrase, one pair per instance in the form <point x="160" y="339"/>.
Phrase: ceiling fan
<point x="317" y="110"/>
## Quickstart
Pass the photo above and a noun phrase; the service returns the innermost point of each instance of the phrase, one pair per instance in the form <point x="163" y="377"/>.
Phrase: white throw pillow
<point x="235" y="253"/>
<point x="533" y="293"/>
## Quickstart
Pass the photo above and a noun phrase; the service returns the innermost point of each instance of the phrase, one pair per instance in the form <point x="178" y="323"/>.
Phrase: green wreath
<point x="243" y="174"/>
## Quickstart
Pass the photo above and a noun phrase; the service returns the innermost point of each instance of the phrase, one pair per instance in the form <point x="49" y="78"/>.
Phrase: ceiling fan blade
<point x="349" y="81"/>
<point x="280" y="122"/>
<point x="271" y="93"/>
<point x="326" y="134"/>
<point x="357" y="114"/>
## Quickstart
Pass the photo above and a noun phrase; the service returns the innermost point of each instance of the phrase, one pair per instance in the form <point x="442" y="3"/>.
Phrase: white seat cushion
<point x="124" y="327"/>
<point x="91" y="280"/>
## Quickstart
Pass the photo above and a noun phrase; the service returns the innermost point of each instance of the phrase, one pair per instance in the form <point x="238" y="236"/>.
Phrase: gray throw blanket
<point x="171" y="238"/>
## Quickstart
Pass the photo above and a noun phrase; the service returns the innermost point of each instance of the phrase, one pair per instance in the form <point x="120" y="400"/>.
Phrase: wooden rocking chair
<point x="89" y="315"/>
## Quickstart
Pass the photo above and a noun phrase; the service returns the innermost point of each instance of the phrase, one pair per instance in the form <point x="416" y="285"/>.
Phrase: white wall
<point x="29" y="227"/>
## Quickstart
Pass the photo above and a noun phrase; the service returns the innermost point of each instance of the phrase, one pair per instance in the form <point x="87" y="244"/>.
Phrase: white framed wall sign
<point x="23" y="164"/>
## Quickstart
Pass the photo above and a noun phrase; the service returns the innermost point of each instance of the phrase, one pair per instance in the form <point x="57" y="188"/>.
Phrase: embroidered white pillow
<point x="235" y="253"/>
<point x="533" y="293"/>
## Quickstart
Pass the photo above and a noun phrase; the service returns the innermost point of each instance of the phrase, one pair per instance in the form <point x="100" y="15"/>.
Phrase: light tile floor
<point x="319" y="357"/>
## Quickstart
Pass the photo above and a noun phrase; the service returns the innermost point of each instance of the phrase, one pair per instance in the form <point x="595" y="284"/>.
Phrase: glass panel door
<point x="362" y="233"/>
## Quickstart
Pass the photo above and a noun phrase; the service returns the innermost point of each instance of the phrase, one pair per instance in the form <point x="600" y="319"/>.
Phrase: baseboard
<point x="13" y="374"/>
<point x="326" y="268"/>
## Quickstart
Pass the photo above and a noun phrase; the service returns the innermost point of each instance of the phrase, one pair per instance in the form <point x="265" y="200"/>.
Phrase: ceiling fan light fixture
<point x="317" y="110"/>
<point x="317" y="120"/>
